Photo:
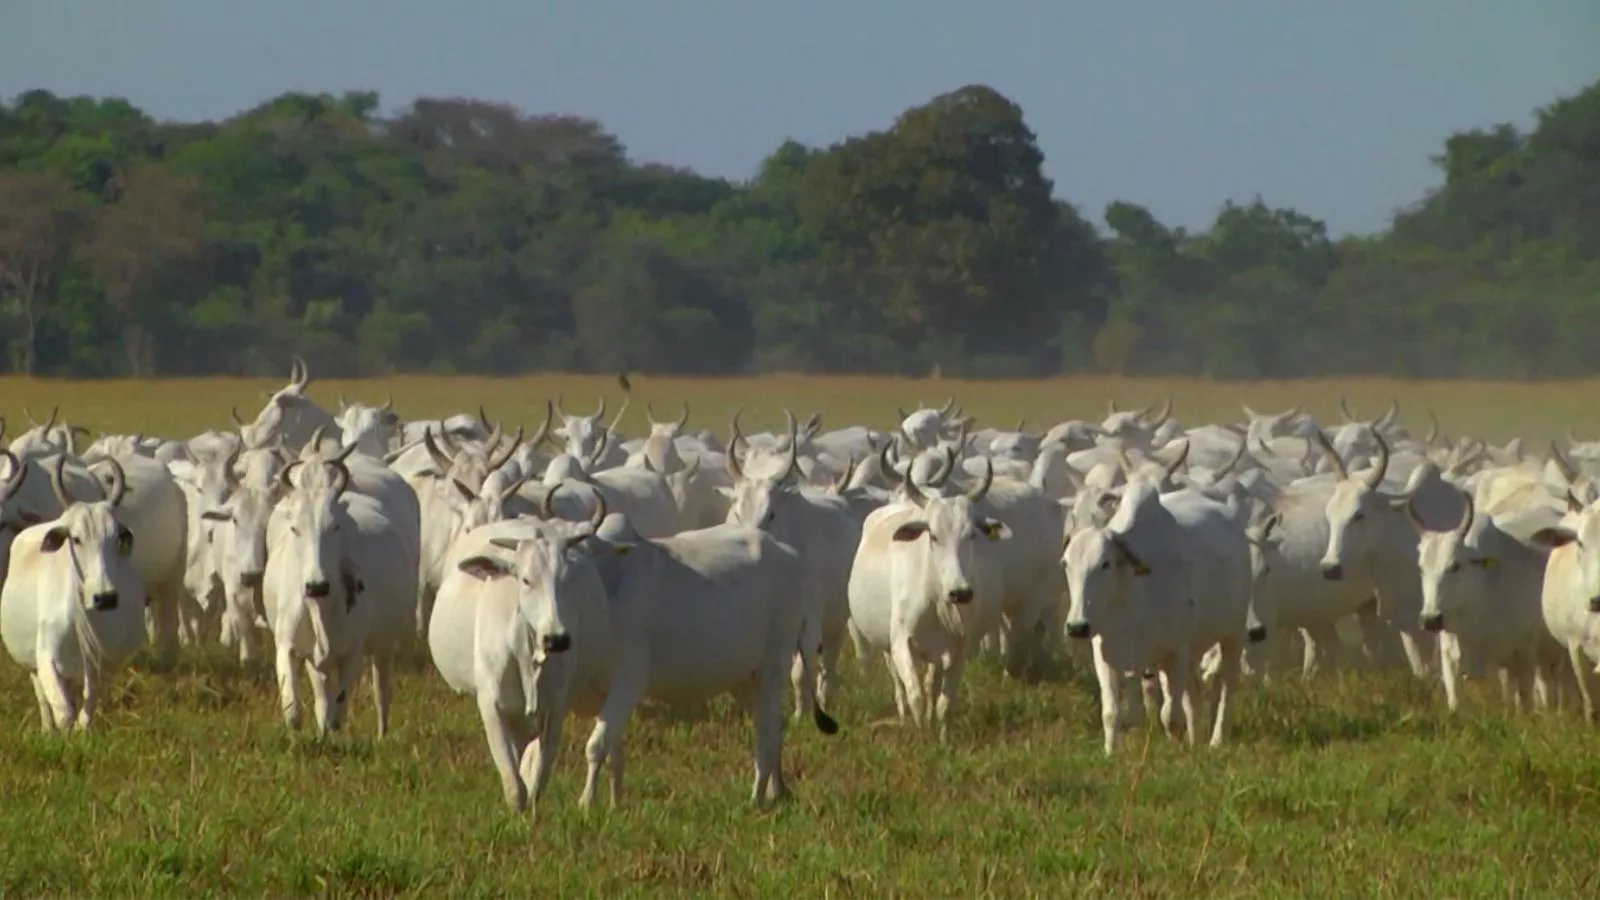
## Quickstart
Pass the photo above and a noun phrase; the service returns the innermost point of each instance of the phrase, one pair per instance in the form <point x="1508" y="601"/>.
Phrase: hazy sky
<point x="1330" y="107"/>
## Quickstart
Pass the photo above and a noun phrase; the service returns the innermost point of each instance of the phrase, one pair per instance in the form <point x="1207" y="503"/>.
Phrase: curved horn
<point x="440" y="458"/>
<point x="511" y="491"/>
<point x="483" y="418"/>
<point x="547" y="504"/>
<point x="341" y="477"/>
<point x="1376" y="478"/>
<point x="890" y="473"/>
<point x="794" y="445"/>
<point x="1166" y="413"/>
<point x="599" y="515"/>
<point x="304" y="376"/>
<point x="949" y="404"/>
<point x="1111" y="406"/>
<point x="1411" y="515"/>
<point x="388" y="404"/>
<point x="1568" y="471"/>
<point x="684" y="419"/>
<point x="57" y="484"/>
<point x="228" y="474"/>
<point x="621" y="410"/>
<point x="516" y="441"/>
<point x="1390" y="415"/>
<point x="599" y="451"/>
<point x="50" y="422"/>
<point x="599" y="413"/>
<point x="317" y="435"/>
<point x="284" y="473"/>
<point x="344" y="454"/>
<point x="945" y="471"/>
<point x="234" y="411"/>
<point x="1333" y="455"/>
<point x="735" y="436"/>
<point x="1124" y="462"/>
<point x="982" y="488"/>
<point x="1244" y="447"/>
<point x="1344" y="409"/>
<point x="1248" y="412"/>
<point x="343" y="405"/>
<point x="14" y="475"/>
<point x="1466" y="515"/>
<point x="559" y="411"/>
<point x="544" y="429"/>
<point x="1178" y="463"/>
<point x="2" y="427"/>
<point x="650" y="412"/>
<point x="849" y="473"/>
<point x="29" y="416"/>
<point x="119" y="482"/>
<point x="1433" y="429"/>
<point x="902" y="413"/>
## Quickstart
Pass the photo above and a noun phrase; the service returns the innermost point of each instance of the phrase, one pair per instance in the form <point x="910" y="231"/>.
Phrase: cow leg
<point x="767" y="716"/>
<point x="906" y="672"/>
<point x="503" y="750"/>
<point x="1585" y="678"/>
<point x="953" y="663"/>
<point x="162" y="623"/>
<point x="90" y="695"/>
<point x="539" y="753"/>
<point x="857" y="642"/>
<point x="828" y="672"/>
<point x="1521" y="670"/>
<point x="382" y="687"/>
<point x="288" y="691"/>
<point x="56" y="692"/>
<point x="1450" y="671"/>
<point x="900" y="706"/>
<point x="1175" y="685"/>
<point x="1543" y="685"/>
<point x="47" y="720"/>
<point x="1230" y="654"/>
<point x="1420" y="649"/>
<point x="322" y="705"/>
<point x="1110" y="703"/>
<point x="605" y="741"/>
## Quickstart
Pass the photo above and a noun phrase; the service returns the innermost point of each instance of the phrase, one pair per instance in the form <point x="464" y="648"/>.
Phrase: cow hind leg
<point x="906" y="670"/>
<point x="1227" y="682"/>
<point x="47" y="719"/>
<point x="382" y="687"/>
<point x="605" y="741"/>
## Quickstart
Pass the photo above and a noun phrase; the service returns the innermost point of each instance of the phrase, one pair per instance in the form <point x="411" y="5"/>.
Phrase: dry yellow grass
<point x="1536" y="410"/>
<point x="1358" y="785"/>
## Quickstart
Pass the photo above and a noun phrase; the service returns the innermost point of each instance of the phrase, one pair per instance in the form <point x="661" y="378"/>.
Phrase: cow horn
<point x="14" y="475"/>
<point x="57" y="483"/>
<point x="599" y="516"/>
<point x="317" y="434"/>
<point x="1376" y="478"/>
<point x="949" y="404"/>
<point x="341" y="477"/>
<point x="599" y="451"/>
<point x="544" y="429"/>
<point x="890" y="473"/>
<point x="978" y="492"/>
<point x="684" y="419"/>
<point x="600" y="412"/>
<point x="234" y="411"/>
<point x="1568" y="471"/>
<point x="794" y="445"/>
<point x="483" y="418"/>
<point x="1338" y="462"/>
<point x="1344" y="409"/>
<point x="439" y="458"/>
<point x="1244" y="447"/>
<point x="1178" y="463"/>
<point x="945" y="471"/>
<point x="516" y="441"/>
<point x="1466" y="515"/>
<point x="119" y="482"/>
<point x="1158" y="421"/>
<point x="547" y="503"/>
<point x="285" y="472"/>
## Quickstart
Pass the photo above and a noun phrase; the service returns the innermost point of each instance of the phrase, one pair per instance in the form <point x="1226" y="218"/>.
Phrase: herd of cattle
<point x="603" y="572"/>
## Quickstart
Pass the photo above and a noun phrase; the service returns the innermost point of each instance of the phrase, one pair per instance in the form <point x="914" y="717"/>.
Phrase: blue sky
<point x="1332" y="108"/>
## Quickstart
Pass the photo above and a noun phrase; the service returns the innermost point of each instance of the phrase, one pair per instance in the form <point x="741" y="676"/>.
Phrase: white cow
<point x="1480" y="594"/>
<point x="339" y="587"/>
<point x="523" y="624"/>
<point x="924" y="587"/>
<point x="290" y="415"/>
<point x="697" y="615"/>
<point x="72" y="608"/>
<point x="1155" y="589"/>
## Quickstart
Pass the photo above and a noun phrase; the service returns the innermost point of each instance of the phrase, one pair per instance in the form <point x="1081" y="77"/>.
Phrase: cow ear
<point x="54" y="539"/>
<point x="1555" y="537"/>
<point x="29" y="518"/>
<point x="994" y="529"/>
<point x="467" y="493"/>
<point x="484" y="568"/>
<point x="217" y="515"/>
<point x="910" y="531"/>
<point x="725" y="491"/>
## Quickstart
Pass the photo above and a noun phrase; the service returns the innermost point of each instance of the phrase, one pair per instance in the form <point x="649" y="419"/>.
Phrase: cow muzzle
<point x="1332" y="572"/>
<point x="1256" y="633"/>
<point x="318" y="590"/>
<point x="1079" y="630"/>
<point x="251" y="579"/>
<point x="105" y="601"/>
<point x="1435" y="622"/>
<point x="960" y="595"/>
<point x="1594" y="604"/>
<point x="560" y="642"/>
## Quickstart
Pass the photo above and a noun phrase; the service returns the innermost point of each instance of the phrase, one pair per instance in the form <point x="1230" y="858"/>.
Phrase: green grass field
<point x="1356" y="786"/>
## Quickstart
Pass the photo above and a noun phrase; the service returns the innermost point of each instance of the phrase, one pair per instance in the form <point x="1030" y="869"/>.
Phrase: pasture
<point x="1357" y="784"/>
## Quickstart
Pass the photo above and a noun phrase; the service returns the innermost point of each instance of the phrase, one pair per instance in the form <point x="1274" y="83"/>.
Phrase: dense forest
<point x="463" y="236"/>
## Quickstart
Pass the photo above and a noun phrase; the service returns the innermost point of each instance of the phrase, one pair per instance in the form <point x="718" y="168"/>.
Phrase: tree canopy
<point x="458" y="235"/>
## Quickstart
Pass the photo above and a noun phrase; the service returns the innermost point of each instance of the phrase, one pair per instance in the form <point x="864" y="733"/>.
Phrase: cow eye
<point x="1358" y="517"/>
<point x="1454" y="567"/>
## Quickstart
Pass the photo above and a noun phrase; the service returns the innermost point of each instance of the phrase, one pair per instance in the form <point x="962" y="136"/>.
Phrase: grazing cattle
<point x="156" y="511"/>
<point x="339" y="587"/>
<point x="72" y="608"/>
<point x="290" y="416"/>
<point x="1570" y="596"/>
<point x="925" y="586"/>
<point x="1480" y="594"/>
<point x="522" y="624"/>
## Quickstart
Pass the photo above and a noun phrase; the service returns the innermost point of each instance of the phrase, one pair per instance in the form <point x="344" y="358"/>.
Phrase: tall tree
<point x="39" y="218"/>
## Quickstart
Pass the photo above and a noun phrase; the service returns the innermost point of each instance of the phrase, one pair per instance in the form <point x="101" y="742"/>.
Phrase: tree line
<point x="458" y="235"/>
